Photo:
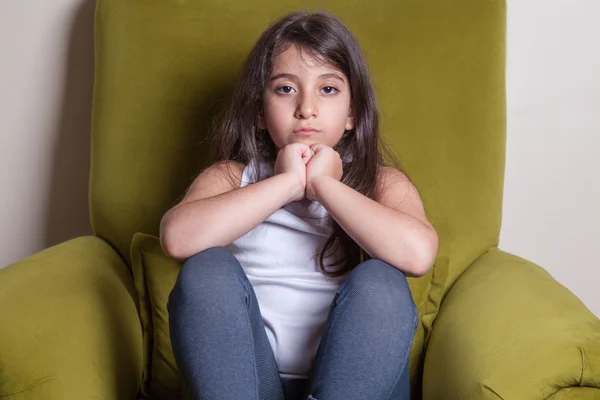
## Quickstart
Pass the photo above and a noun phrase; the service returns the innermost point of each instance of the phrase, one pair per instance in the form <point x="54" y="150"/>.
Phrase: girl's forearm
<point x="392" y="236"/>
<point x="219" y="220"/>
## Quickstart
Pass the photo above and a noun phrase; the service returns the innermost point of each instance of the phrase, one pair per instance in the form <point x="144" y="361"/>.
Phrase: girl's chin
<point x="308" y="140"/>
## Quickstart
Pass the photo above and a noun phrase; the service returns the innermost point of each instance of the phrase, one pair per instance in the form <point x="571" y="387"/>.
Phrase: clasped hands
<point x="308" y="164"/>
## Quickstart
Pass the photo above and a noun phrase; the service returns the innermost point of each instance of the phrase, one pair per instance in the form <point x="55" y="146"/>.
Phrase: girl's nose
<point x="307" y="107"/>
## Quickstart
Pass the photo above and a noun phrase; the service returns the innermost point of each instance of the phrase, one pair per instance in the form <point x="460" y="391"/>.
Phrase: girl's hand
<point x="292" y="160"/>
<point x="325" y="162"/>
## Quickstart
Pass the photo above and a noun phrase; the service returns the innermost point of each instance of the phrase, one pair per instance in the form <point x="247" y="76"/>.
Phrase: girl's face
<point x="306" y="101"/>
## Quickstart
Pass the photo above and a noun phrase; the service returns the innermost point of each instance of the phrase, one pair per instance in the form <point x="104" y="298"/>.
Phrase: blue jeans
<point x="223" y="353"/>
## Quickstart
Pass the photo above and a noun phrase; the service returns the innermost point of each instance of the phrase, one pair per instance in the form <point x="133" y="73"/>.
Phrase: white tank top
<point x="280" y="258"/>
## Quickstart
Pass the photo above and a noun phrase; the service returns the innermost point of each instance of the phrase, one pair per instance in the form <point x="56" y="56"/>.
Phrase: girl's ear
<point x="261" y="122"/>
<point x="350" y="121"/>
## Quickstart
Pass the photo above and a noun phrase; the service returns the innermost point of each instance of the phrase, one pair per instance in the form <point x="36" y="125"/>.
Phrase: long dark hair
<point x="237" y="135"/>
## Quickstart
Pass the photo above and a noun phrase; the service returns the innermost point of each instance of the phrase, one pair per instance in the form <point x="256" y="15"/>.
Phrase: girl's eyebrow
<point x="294" y="77"/>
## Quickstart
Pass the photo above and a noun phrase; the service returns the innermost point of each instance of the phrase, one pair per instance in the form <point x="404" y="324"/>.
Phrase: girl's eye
<point x="285" y="89"/>
<point x="329" y="90"/>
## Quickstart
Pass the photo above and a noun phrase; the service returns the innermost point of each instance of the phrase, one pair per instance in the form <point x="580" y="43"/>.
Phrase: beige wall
<point x="552" y="192"/>
<point x="46" y="75"/>
<point x="552" y="189"/>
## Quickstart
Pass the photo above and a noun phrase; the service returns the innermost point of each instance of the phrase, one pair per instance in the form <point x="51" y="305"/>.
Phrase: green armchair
<point x="493" y="325"/>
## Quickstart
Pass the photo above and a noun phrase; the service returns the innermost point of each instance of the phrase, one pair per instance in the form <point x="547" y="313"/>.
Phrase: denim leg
<point x="217" y="332"/>
<point x="366" y="343"/>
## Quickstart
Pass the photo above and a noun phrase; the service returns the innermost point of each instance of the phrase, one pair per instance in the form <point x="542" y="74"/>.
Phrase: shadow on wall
<point x="68" y="212"/>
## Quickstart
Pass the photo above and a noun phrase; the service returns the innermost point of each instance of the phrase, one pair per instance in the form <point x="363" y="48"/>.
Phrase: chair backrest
<point x="164" y="67"/>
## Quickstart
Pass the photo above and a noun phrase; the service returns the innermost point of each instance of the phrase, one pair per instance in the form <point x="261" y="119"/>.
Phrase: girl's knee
<point x="208" y="271"/>
<point x="383" y="287"/>
<point x="210" y="264"/>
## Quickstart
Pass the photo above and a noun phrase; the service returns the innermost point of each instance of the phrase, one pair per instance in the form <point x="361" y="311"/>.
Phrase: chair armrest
<point x="70" y="325"/>
<point x="508" y="330"/>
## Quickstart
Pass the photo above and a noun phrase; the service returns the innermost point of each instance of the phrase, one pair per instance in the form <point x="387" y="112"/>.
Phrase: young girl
<point x="298" y="239"/>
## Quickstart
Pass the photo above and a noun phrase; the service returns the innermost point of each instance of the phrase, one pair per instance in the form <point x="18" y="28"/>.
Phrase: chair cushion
<point x="69" y="325"/>
<point x="155" y="275"/>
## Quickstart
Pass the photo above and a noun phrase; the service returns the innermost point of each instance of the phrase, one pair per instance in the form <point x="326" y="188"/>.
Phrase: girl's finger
<point x="308" y="154"/>
<point x="316" y="147"/>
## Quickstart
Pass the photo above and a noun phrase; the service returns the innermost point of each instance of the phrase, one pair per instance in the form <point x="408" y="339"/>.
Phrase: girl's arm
<point x="393" y="229"/>
<point x="215" y="211"/>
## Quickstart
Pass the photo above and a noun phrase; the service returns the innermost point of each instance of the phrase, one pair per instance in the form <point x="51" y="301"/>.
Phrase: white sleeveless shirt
<point x="280" y="258"/>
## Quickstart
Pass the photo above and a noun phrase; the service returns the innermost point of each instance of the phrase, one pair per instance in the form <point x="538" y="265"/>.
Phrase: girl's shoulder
<point x="227" y="170"/>
<point x="391" y="179"/>
<point x="387" y="174"/>
<point x="397" y="191"/>
<point x="218" y="178"/>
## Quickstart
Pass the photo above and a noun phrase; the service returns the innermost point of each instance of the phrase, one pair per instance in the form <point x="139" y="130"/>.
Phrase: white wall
<point x="46" y="77"/>
<point x="551" y="195"/>
<point x="552" y="188"/>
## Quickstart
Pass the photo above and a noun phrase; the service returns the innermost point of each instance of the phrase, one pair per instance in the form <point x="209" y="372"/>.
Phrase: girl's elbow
<point x="420" y="268"/>
<point x="182" y="246"/>
<point x="170" y="247"/>
<point x="164" y="236"/>
<point x="177" y="250"/>
<point x="426" y="258"/>
<point x="415" y="269"/>
<point x="419" y="271"/>
<point x="171" y="242"/>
